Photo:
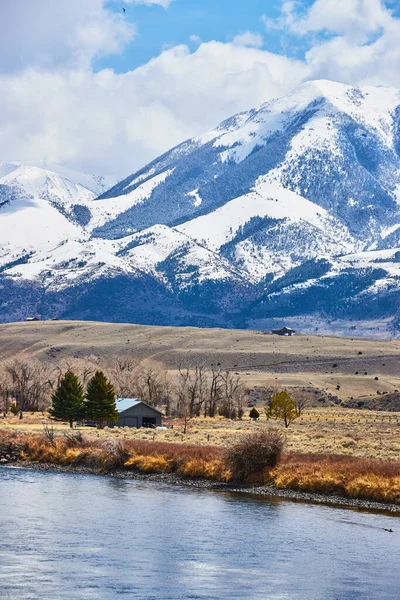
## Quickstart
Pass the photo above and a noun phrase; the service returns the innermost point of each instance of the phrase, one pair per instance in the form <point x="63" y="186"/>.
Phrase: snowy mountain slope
<point x="41" y="205"/>
<point x="333" y="145"/>
<point x="35" y="213"/>
<point x="286" y="210"/>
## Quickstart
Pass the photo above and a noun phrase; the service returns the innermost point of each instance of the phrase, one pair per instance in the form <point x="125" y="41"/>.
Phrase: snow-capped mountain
<point x="288" y="210"/>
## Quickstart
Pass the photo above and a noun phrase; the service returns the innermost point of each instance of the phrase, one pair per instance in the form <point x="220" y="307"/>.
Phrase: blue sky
<point x="101" y="91"/>
<point x="219" y="20"/>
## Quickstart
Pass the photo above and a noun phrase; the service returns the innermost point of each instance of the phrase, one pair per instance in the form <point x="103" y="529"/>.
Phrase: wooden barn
<point x="136" y="413"/>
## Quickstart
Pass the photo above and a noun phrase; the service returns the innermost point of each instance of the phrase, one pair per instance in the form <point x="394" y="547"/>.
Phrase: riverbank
<point x="254" y="490"/>
<point x="333" y="479"/>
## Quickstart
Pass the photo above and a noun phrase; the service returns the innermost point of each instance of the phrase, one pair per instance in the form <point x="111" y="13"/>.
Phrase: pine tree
<point x="100" y="399"/>
<point x="254" y="414"/>
<point x="68" y="399"/>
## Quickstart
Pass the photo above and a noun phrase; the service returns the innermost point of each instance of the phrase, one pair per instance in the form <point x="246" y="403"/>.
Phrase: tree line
<point x="191" y="391"/>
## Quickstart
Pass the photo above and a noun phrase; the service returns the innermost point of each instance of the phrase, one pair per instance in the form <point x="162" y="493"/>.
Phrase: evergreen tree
<point x="100" y="399"/>
<point x="254" y="414"/>
<point x="68" y="399"/>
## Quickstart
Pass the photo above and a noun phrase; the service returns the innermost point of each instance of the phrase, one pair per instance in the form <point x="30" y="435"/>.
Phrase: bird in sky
<point x="124" y="9"/>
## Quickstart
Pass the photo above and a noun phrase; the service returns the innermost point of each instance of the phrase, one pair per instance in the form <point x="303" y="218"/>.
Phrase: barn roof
<point x="125" y="403"/>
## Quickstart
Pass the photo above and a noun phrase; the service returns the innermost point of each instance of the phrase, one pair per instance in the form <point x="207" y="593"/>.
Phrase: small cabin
<point x="284" y="331"/>
<point x="136" y="413"/>
<point x="32" y="319"/>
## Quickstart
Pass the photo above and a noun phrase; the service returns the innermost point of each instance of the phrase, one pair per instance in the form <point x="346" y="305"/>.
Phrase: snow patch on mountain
<point x="152" y="247"/>
<point x="196" y="197"/>
<point x="109" y="208"/>
<point x="267" y="200"/>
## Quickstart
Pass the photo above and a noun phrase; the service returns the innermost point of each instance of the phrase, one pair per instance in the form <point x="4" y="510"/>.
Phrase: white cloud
<point x="54" y="107"/>
<point x="163" y="3"/>
<point x="195" y="39"/>
<point x="286" y="18"/>
<point x="344" y="18"/>
<point x="50" y="34"/>
<point x="353" y="17"/>
<point x="114" y="123"/>
<point x="250" y="39"/>
<point x="353" y="42"/>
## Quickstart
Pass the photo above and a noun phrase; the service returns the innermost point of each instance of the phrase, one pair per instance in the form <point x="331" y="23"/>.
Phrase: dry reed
<point x="352" y="477"/>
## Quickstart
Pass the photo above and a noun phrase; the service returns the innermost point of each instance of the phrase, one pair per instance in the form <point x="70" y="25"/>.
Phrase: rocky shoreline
<point x="264" y="491"/>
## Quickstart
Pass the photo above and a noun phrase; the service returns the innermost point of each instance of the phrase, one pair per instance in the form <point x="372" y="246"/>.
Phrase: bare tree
<point x="5" y="393"/>
<point x="301" y="401"/>
<point x="214" y="392"/>
<point x="30" y="383"/>
<point x="191" y="392"/>
<point x="124" y="373"/>
<point x="84" y="368"/>
<point x="233" y="393"/>
<point x="208" y="390"/>
<point x="153" y="385"/>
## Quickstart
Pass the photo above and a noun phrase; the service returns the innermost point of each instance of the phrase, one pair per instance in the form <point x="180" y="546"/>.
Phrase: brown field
<point x="348" y="432"/>
<point x="301" y="360"/>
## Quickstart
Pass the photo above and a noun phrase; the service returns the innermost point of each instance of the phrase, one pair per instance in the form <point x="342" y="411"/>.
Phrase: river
<point x="75" y="537"/>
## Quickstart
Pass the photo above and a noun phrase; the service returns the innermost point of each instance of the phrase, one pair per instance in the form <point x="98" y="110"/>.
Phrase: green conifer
<point x="254" y="414"/>
<point x="100" y="399"/>
<point x="68" y="400"/>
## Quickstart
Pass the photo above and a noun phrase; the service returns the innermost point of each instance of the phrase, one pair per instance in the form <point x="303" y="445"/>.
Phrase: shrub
<point x="113" y="455"/>
<point x="204" y="469"/>
<point x="254" y="414"/>
<point x="254" y="453"/>
<point x="14" y="409"/>
<point x="149" y="464"/>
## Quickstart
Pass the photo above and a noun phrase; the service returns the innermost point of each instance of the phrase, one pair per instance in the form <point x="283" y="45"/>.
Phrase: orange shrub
<point x="149" y="464"/>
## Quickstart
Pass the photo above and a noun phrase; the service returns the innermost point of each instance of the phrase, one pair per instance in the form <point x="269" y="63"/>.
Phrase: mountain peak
<point x="289" y="209"/>
<point x="44" y="169"/>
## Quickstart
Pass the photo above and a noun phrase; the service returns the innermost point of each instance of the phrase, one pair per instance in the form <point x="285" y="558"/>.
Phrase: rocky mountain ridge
<point x="289" y="211"/>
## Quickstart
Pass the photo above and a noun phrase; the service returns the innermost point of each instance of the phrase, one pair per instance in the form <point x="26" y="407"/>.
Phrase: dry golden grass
<point x="149" y="464"/>
<point x="328" y="474"/>
<point x="352" y="477"/>
<point x="349" y="432"/>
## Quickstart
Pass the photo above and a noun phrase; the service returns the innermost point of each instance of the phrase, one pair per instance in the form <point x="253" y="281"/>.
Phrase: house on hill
<point x="136" y="413"/>
<point x="284" y="331"/>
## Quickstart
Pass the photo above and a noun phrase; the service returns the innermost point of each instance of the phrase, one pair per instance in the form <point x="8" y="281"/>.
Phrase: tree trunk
<point x="71" y="423"/>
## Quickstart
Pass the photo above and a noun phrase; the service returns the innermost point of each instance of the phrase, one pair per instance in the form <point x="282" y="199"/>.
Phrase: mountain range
<point x="288" y="213"/>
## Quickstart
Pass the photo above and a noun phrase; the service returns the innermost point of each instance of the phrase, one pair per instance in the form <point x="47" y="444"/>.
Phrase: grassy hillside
<point x="301" y="360"/>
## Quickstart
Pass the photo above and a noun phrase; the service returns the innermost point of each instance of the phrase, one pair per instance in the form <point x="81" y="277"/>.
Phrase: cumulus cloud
<point x="114" y="123"/>
<point x="53" y="106"/>
<point x="353" y="17"/>
<point x="48" y="34"/>
<point x="353" y="42"/>
<point x="250" y="39"/>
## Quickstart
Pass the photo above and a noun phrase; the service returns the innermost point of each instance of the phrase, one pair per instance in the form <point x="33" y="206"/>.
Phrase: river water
<point x="73" y="537"/>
